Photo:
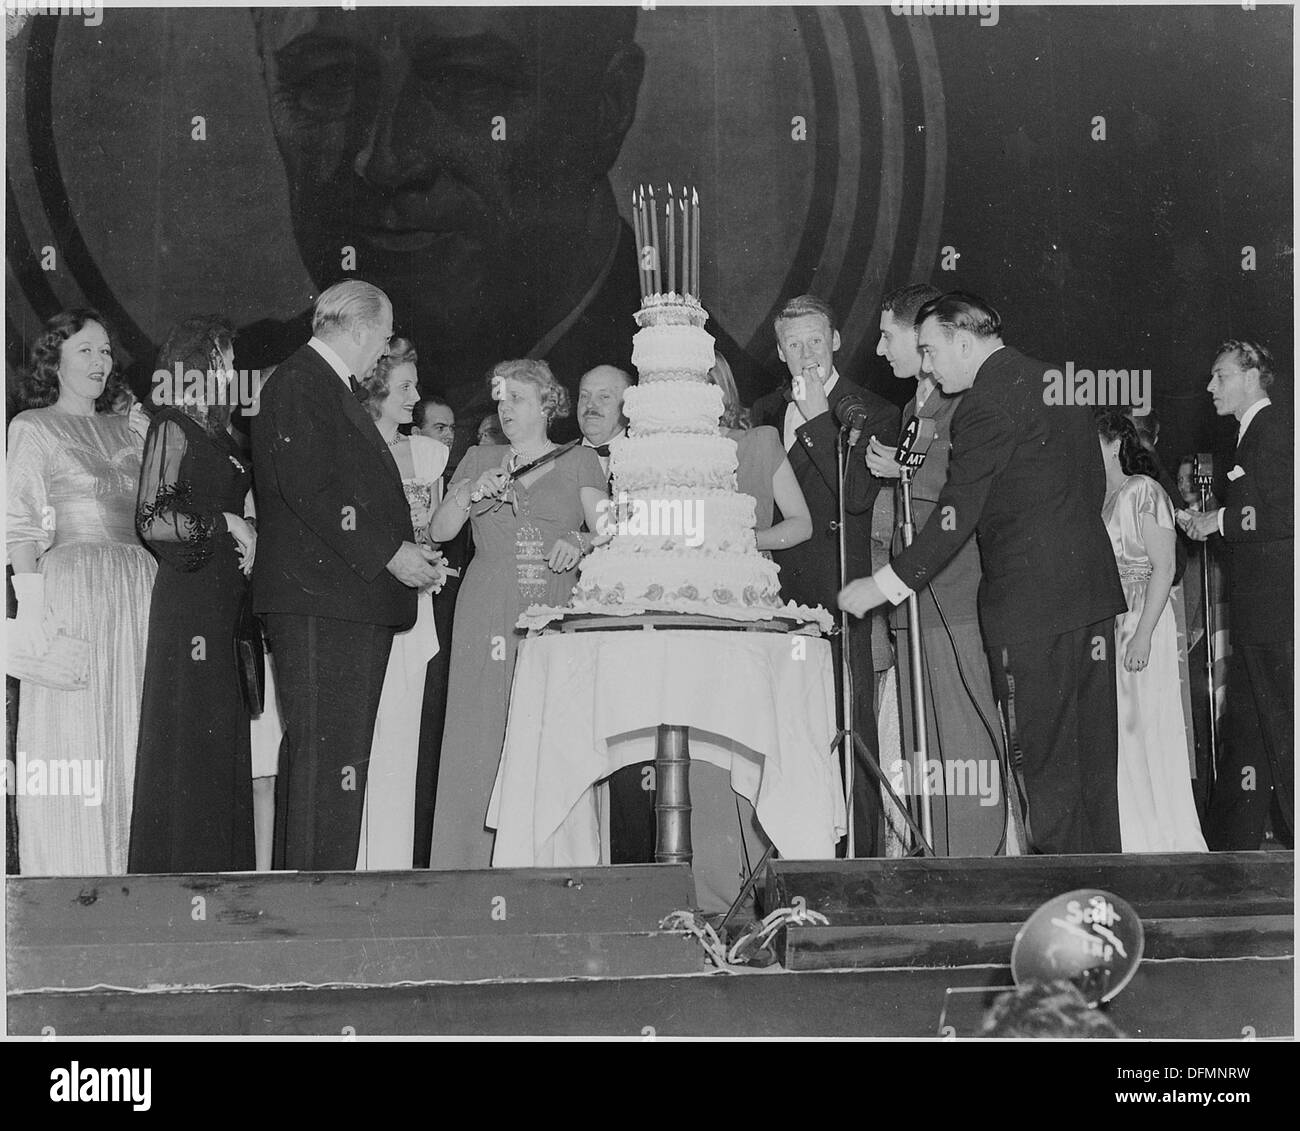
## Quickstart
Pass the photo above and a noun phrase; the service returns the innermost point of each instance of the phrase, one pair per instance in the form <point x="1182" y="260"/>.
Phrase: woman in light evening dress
<point x="1156" y="809"/>
<point x="193" y="808"/>
<point x="388" y="819"/>
<point x="528" y="542"/>
<point x="72" y="467"/>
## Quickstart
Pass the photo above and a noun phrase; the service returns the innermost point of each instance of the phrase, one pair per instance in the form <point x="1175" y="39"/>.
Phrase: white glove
<point x="31" y="628"/>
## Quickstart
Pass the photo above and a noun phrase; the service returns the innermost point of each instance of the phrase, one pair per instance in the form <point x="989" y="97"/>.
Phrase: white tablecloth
<point x="759" y="704"/>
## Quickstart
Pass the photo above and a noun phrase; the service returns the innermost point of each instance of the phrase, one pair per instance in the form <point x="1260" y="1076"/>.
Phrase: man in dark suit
<point x="1027" y="478"/>
<point x="959" y="706"/>
<point x="337" y="571"/>
<point x="807" y="413"/>
<point x="1255" y="522"/>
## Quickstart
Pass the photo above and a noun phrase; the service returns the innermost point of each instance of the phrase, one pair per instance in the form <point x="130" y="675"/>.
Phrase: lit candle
<point x="670" y="219"/>
<point x="654" y="241"/>
<point x="686" y="245"/>
<point x="695" y="236"/>
<point x="645" y="244"/>
<point x="636" y="231"/>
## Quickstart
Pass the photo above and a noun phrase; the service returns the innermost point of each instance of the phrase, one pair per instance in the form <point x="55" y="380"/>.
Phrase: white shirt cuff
<point x="891" y="585"/>
<point x="1219" y="516"/>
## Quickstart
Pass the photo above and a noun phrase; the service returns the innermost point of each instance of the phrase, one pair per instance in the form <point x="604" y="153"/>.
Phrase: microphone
<point x="915" y="442"/>
<point x="851" y="411"/>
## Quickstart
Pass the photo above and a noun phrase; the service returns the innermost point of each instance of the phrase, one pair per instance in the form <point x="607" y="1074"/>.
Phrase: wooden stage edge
<point x="569" y="952"/>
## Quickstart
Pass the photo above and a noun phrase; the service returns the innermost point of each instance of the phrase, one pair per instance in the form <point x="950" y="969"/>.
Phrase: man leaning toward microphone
<point x="1027" y="477"/>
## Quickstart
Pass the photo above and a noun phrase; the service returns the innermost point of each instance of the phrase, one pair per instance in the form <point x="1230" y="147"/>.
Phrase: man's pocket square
<point x="1236" y="473"/>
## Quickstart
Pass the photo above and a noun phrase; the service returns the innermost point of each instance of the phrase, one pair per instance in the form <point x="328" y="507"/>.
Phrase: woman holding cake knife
<point x="528" y="546"/>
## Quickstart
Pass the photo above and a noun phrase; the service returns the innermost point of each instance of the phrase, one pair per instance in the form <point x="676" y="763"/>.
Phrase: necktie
<point x="357" y="390"/>
<point x="602" y="450"/>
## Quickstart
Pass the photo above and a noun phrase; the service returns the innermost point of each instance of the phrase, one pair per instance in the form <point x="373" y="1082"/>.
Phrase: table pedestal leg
<point x="673" y="796"/>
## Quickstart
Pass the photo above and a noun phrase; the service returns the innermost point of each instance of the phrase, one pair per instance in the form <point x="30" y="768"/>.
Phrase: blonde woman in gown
<point x="72" y="467"/>
<point x="388" y="818"/>
<point x="1157" y="812"/>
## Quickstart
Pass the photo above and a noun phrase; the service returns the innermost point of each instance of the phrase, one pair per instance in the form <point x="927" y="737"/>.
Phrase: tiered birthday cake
<point x="683" y="536"/>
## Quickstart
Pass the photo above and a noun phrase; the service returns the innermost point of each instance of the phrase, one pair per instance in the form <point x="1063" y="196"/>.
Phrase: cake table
<point x="600" y="693"/>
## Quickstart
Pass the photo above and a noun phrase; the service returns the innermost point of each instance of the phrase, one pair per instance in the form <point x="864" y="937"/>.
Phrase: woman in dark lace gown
<point x="193" y="806"/>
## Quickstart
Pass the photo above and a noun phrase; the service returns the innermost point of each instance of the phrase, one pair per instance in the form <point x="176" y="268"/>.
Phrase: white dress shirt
<point x="794" y="418"/>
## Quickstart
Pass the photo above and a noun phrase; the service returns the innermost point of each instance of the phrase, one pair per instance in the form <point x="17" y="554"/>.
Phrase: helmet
<point x="1089" y="937"/>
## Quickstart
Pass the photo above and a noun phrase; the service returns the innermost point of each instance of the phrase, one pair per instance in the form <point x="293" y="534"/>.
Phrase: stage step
<point x="345" y="928"/>
<point x="955" y="912"/>
<point x="1215" y="1000"/>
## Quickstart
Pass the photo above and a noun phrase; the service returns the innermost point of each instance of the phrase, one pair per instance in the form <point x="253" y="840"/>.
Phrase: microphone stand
<point x="916" y="668"/>
<point x="848" y="735"/>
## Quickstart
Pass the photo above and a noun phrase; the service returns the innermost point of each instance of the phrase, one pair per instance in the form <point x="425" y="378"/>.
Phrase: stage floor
<point x="579" y="952"/>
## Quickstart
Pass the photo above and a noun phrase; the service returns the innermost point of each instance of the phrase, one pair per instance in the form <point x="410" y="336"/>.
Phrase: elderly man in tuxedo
<point x="1027" y="478"/>
<point x="808" y="413"/>
<point x="961" y="716"/>
<point x="337" y="571"/>
<point x="1255" y="523"/>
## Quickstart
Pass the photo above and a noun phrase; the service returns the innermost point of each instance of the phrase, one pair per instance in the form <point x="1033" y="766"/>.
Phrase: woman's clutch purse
<point x="64" y="665"/>
<point x="250" y="657"/>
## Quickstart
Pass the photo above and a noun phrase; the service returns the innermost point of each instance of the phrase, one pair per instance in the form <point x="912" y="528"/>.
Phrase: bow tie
<point x="601" y="450"/>
<point x="357" y="390"/>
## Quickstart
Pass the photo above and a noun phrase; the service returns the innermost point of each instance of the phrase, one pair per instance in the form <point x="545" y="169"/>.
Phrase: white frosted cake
<point x="683" y="536"/>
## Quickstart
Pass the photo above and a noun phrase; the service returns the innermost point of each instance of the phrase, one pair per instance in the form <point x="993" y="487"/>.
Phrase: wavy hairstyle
<point x="196" y="345"/>
<point x="553" y="395"/>
<point x="800" y="307"/>
<point x="961" y="310"/>
<point x="902" y="303"/>
<point x="1135" y="457"/>
<point x="401" y="351"/>
<point x="41" y="381"/>
<point x="1250" y="355"/>
<point x="734" y="414"/>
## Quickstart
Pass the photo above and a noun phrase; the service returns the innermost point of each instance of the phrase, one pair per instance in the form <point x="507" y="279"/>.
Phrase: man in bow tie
<point x="1257" y="769"/>
<point x="807" y="413"/>
<point x="600" y="409"/>
<point x="337" y="571"/>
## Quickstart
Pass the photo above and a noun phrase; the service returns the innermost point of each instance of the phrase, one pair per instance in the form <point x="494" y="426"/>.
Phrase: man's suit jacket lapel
<point x="1250" y="441"/>
<point x="357" y="415"/>
<point x="843" y="387"/>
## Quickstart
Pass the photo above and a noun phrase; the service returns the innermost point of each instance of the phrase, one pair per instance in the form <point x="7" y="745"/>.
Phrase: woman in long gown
<point x="72" y="468"/>
<point x="193" y="807"/>
<point x="1156" y="809"/>
<point x="388" y="818"/>
<point x="528" y="542"/>
<point x="726" y="834"/>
